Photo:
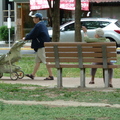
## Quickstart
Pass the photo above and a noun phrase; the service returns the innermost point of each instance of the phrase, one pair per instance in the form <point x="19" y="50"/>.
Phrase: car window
<point x="104" y="24"/>
<point x="69" y="27"/>
<point x="118" y="24"/>
<point x="92" y="24"/>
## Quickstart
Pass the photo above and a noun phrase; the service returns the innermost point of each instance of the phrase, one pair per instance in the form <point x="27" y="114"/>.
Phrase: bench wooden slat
<point x="85" y="66"/>
<point x="81" y="43"/>
<point x="65" y="54"/>
<point x="76" y="59"/>
<point x="71" y="49"/>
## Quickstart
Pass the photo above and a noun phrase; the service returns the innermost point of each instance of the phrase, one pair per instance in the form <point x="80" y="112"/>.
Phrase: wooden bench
<point x="80" y="55"/>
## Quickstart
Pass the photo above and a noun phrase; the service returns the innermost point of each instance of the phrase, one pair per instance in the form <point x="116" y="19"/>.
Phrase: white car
<point x="111" y="29"/>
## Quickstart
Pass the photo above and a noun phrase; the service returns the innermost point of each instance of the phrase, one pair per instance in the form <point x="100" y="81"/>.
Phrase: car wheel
<point x="112" y="40"/>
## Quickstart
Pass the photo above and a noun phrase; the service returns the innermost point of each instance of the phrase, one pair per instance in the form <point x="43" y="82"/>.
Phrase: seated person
<point x="99" y="37"/>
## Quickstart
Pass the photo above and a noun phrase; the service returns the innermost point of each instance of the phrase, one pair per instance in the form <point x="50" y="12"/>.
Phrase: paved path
<point x="67" y="82"/>
<point x="59" y="103"/>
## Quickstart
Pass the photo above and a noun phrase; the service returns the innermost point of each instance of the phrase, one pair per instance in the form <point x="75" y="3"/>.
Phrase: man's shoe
<point x="30" y="76"/>
<point x="110" y="85"/>
<point x="49" y="78"/>
<point x="91" y="82"/>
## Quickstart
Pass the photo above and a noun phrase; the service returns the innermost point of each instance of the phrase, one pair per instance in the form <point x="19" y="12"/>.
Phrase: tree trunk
<point x="50" y="12"/>
<point x="77" y="21"/>
<point x="56" y="21"/>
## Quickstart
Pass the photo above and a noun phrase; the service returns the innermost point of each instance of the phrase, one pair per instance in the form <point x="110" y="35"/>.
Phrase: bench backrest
<point x="80" y="54"/>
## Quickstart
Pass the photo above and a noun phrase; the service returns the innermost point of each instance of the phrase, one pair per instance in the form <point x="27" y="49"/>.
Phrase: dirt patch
<point x="51" y="95"/>
<point x="59" y="103"/>
<point x="29" y="88"/>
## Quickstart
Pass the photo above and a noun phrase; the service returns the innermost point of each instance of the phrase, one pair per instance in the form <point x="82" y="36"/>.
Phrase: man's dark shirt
<point x="39" y="35"/>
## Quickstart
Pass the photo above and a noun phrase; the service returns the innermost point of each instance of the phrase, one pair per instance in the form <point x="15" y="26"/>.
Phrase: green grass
<point x="39" y="93"/>
<point x="39" y="112"/>
<point x="43" y="112"/>
<point x="27" y="65"/>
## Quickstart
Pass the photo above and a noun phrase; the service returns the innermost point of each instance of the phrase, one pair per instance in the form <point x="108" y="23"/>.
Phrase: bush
<point x="4" y="32"/>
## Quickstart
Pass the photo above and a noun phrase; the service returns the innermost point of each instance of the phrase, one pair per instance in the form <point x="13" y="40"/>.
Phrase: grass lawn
<point x="40" y="112"/>
<point x="39" y="93"/>
<point x="27" y="65"/>
<point x="43" y="112"/>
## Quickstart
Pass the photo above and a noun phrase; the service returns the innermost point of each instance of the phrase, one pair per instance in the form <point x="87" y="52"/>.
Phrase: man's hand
<point x="23" y="38"/>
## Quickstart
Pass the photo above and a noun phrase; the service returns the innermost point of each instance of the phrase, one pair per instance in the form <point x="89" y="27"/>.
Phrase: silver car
<point x="111" y="29"/>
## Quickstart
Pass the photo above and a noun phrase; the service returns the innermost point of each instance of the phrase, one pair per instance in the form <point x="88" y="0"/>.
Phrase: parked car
<point x="111" y="29"/>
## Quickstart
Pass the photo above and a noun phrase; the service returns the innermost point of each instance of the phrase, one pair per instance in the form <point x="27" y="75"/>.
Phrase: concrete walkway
<point x="67" y="82"/>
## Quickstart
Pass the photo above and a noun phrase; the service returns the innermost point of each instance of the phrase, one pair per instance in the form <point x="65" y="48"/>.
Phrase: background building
<point x="103" y="8"/>
<point x="4" y="11"/>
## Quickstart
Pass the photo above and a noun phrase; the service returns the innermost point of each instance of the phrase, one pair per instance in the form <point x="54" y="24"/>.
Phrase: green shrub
<point x="4" y="32"/>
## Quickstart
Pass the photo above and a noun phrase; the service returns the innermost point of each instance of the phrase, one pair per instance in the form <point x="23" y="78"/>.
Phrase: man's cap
<point x="38" y="15"/>
<point x="100" y="32"/>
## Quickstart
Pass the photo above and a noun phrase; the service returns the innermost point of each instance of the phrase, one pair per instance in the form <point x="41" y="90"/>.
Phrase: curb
<point x="23" y="48"/>
<point x="68" y="82"/>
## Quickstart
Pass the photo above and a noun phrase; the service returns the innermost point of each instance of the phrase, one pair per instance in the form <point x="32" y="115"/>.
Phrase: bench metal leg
<point x="59" y="77"/>
<point x="106" y="77"/>
<point x="82" y="77"/>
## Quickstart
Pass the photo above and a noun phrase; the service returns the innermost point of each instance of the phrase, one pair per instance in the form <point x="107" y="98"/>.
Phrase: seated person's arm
<point x="87" y="39"/>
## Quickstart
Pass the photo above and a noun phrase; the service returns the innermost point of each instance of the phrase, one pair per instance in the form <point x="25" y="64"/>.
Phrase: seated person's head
<point x="99" y="33"/>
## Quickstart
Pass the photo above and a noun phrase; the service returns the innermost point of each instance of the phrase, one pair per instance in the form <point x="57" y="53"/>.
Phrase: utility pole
<point x="9" y="23"/>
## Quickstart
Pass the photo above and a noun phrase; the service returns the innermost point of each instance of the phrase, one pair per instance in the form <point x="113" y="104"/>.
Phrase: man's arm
<point x="32" y="34"/>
